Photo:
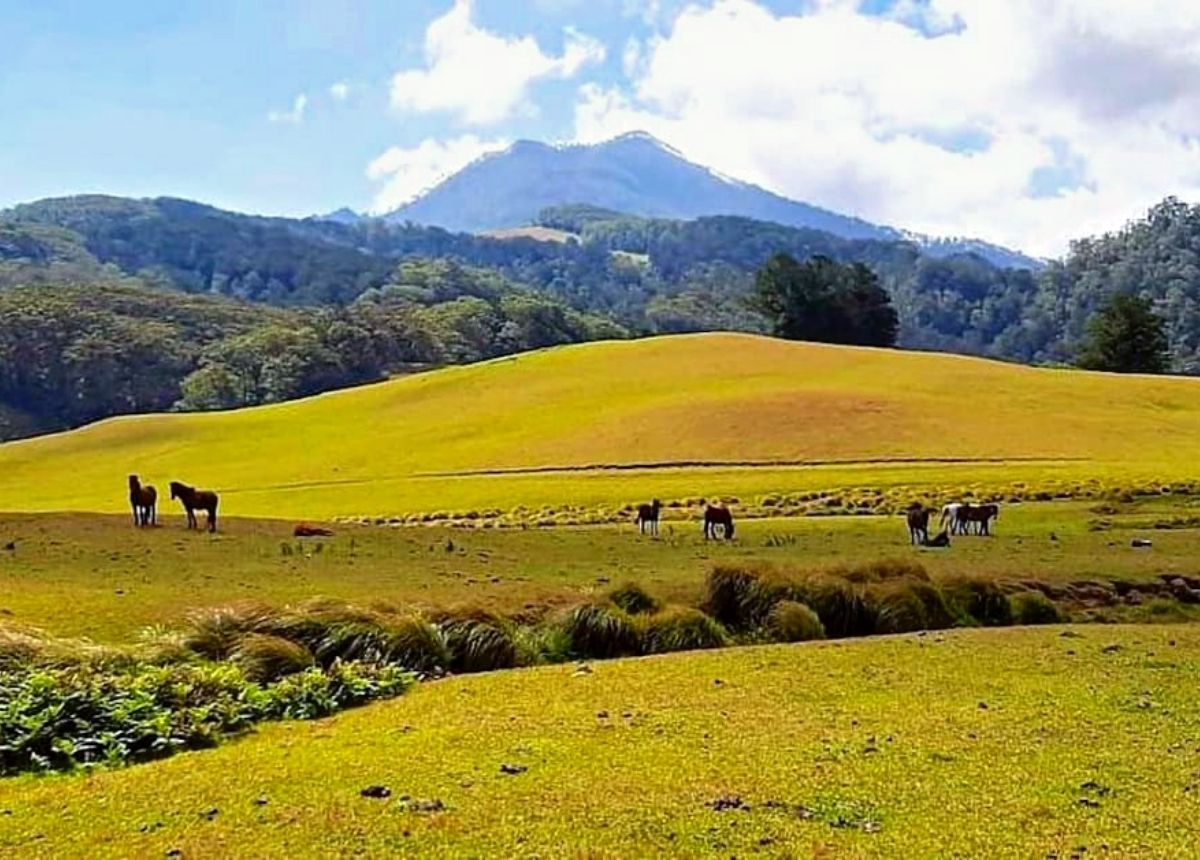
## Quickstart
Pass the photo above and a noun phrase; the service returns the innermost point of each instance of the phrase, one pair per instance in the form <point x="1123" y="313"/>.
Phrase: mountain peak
<point x="634" y="173"/>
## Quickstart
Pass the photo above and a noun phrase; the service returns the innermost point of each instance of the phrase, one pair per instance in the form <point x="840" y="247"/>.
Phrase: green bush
<point x="1033" y="607"/>
<point x="791" y="621"/>
<point x="740" y="598"/>
<point x="600" y="630"/>
<point x="908" y="605"/>
<point x="680" y="628"/>
<point x="213" y="633"/>
<point x="60" y="718"/>
<point x="634" y="599"/>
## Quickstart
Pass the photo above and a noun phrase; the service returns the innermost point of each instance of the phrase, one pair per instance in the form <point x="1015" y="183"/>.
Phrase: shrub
<point x="980" y="600"/>
<point x="634" y="599"/>
<point x="478" y="640"/>
<point x="883" y="570"/>
<point x="1033" y="607"/>
<point x="740" y="598"/>
<point x="791" y="621"/>
<point x="600" y="630"/>
<point x="681" y="628"/>
<point x="60" y="718"/>
<point x="268" y="658"/>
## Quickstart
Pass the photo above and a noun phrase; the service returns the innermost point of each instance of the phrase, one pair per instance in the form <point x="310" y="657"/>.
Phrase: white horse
<point x="950" y="515"/>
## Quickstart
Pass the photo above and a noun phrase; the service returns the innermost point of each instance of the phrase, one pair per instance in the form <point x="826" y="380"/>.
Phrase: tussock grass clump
<point x="1033" y="607"/>
<point x="843" y="607"/>
<point x="740" y="597"/>
<point x="978" y="600"/>
<point x="792" y="621"/>
<point x="634" y="599"/>
<point x="883" y="570"/>
<point x="601" y="630"/>
<point x="681" y="628"/>
<point x="214" y="633"/>
<point x="478" y="640"/>
<point x="909" y="605"/>
<point x="264" y="657"/>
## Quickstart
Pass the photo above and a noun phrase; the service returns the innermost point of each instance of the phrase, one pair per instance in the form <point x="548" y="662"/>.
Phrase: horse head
<point x="177" y="490"/>
<point x="134" y="483"/>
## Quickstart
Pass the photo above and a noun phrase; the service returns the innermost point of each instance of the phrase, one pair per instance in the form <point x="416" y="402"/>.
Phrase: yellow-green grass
<point x="710" y="404"/>
<point x="1029" y="742"/>
<point x="96" y="576"/>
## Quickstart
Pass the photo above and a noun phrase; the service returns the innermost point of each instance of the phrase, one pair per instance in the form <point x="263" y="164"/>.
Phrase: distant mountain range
<point x="636" y="174"/>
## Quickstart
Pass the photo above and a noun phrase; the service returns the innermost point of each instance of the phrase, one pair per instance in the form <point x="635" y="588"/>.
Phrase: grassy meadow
<point x="96" y="576"/>
<point x="493" y="501"/>
<point x="1023" y="742"/>
<point x="681" y="417"/>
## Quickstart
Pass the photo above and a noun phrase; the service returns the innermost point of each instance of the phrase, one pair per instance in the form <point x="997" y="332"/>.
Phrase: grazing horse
<point x="144" y="501"/>
<point x="647" y="517"/>
<point x="949" y="518"/>
<point x="194" y="500"/>
<point x="717" y="516"/>
<point x="980" y="515"/>
<point x="918" y="524"/>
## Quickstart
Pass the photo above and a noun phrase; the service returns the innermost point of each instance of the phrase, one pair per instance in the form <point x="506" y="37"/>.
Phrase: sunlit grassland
<point x="714" y="414"/>
<point x="1022" y="742"/>
<point x="97" y="576"/>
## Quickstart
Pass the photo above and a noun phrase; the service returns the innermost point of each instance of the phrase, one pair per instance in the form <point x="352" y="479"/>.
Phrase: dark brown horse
<point x="647" y="517"/>
<point x="918" y="524"/>
<point x="196" y="500"/>
<point x="144" y="501"/>
<point x="717" y="517"/>
<point x="980" y="515"/>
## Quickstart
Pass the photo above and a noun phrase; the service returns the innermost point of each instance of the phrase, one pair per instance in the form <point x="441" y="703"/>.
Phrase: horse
<point x="193" y="500"/>
<point x="647" y="517"/>
<point x="940" y="541"/>
<point x="949" y="517"/>
<point x="717" y="516"/>
<point x="144" y="501"/>
<point x="980" y="515"/>
<point x="918" y="524"/>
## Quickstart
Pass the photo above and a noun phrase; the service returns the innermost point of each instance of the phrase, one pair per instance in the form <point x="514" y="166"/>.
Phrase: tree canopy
<point x="1125" y="336"/>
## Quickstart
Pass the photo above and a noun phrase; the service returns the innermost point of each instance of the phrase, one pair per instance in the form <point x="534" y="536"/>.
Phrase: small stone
<point x="211" y="813"/>
<point x="377" y="792"/>
<point x="261" y="800"/>
<point x="602" y="715"/>
<point x="1088" y="803"/>
<point x="513" y="769"/>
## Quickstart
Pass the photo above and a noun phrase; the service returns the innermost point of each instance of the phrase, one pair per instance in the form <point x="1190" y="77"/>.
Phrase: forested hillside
<point x="335" y="303"/>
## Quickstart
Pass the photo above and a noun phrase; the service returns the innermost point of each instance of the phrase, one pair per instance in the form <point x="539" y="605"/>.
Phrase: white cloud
<point x="405" y="173"/>
<point x="339" y="91"/>
<point x="483" y="77"/>
<point x="295" y="116"/>
<point x="1022" y="121"/>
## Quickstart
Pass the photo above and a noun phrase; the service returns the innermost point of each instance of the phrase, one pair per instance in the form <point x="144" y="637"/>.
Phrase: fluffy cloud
<point x="339" y="91"/>
<point x="1022" y="121"/>
<point x="295" y="116"/>
<point x="483" y="77"/>
<point x="405" y="173"/>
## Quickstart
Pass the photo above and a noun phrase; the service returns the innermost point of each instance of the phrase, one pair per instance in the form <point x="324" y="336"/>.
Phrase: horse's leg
<point x="212" y="519"/>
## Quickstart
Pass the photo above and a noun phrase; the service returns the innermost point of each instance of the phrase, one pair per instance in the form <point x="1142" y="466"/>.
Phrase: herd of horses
<point x="718" y="521"/>
<point x="143" y="498"/>
<point x="957" y="518"/>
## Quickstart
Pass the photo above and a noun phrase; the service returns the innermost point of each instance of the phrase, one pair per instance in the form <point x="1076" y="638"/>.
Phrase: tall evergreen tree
<point x="1125" y="336"/>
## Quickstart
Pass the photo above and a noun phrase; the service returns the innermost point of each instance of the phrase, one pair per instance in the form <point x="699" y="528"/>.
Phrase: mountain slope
<point x="422" y="443"/>
<point x="638" y="175"/>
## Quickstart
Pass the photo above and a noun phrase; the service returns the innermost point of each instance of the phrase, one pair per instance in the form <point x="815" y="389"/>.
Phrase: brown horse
<point x="918" y="524"/>
<point x="717" y="516"/>
<point x="647" y="517"/>
<point x="980" y="515"/>
<point x="144" y="501"/>
<point x="194" y="500"/>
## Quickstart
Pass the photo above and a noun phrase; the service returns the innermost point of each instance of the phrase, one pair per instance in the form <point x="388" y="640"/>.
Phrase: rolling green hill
<point x="607" y="423"/>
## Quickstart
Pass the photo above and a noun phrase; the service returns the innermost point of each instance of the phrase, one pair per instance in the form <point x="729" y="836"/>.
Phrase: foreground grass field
<point x="1005" y="743"/>
<point x="96" y="576"/>
<point x="701" y="415"/>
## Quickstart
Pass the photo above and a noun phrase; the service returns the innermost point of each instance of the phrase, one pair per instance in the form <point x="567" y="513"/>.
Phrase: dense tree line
<point x="73" y="354"/>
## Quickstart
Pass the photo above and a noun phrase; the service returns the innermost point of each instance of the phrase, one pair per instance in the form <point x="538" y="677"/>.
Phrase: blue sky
<point x="1026" y="122"/>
